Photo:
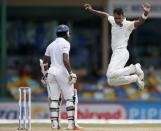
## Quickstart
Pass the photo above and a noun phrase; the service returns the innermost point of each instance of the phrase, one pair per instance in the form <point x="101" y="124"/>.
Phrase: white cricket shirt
<point x="55" y="50"/>
<point x="120" y="35"/>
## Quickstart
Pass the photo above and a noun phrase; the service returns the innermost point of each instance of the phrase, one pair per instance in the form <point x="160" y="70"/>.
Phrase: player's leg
<point x="67" y="89"/>
<point x="116" y="67"/>
<point x="122" y="80"/>
<point x="68" y="93"/>
<point x="55" y="101"/>
<point x="117" y="74"/>
<point x="118" y="61"/>
<point x="117" y="64"/>
<point x="70" y="105"/>
<point x="132" y="69"/>
<point x="122" y="72"/>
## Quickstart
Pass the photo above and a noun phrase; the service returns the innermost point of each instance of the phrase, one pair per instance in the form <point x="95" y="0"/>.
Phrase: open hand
<point x="87" y="6"/>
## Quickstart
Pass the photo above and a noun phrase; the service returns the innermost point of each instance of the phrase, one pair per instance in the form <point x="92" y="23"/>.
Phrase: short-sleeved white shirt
<point x="55" y="51"/>
<point x="120" y="35"/>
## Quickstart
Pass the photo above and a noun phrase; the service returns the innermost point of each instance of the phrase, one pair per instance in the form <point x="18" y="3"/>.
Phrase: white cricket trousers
<point x="58" y="82"/>
<point x="117" y="74"/>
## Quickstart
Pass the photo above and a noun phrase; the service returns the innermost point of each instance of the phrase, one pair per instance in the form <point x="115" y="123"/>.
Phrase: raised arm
<point x="141" y="20"/>
<point x="89" y="8"/>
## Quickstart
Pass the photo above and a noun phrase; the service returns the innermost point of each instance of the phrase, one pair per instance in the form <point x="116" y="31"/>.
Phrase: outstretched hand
<point x="146" y="7"/>
<point x="87" y="6"/>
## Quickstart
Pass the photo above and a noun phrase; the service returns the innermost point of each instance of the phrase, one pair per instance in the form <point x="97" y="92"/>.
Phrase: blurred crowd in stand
<point x="27" y="41"/>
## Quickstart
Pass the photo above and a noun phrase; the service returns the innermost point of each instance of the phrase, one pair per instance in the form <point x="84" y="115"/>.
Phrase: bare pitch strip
<point x="24" y="108"/>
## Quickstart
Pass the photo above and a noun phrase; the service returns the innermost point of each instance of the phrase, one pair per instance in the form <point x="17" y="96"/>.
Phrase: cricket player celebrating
<point x="60" y="78"/>
<point x="117" y="73"/>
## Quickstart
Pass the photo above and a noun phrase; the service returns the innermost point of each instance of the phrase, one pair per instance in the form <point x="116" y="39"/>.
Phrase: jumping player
<point x="60" y="78"/>
<point x="117" y="73"/>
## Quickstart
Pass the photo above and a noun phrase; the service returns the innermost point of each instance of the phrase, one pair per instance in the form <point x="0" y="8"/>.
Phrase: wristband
<point x="144" y="17"/>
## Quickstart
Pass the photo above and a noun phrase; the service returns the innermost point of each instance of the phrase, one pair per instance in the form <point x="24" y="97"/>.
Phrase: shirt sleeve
<point x="130" y="25"/>
<point x="111" y="19"/>
<point x="47" y="53"/>
<point x="66" y="48"/>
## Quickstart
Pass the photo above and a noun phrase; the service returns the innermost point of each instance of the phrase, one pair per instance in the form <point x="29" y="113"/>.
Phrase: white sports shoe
<point x="139" y="71"/>
<point x="55" y="127"/>
<point x="140" y="83"/>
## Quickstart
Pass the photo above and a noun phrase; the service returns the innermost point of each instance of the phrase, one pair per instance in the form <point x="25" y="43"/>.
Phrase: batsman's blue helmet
<point x="62" y="28"/>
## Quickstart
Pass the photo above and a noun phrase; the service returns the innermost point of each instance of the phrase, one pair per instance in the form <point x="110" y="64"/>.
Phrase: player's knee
<point x="70" y="104"/>
<point x="54" y="109"/>
<point x="111" y="82"/>
<point x="54" y="104"/>
<point x="109" y="74"/>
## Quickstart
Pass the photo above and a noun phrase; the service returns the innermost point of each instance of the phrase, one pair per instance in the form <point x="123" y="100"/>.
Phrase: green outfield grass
<point x="90" y="127"/>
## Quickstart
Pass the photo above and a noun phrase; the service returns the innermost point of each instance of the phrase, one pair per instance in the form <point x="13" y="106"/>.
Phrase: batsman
<point x="59" y="79"/>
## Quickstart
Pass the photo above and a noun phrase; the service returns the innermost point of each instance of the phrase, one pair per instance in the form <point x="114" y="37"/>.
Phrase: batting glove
<point x="44" y="79"/>
<point x="72" y="78"/>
